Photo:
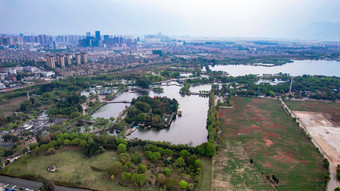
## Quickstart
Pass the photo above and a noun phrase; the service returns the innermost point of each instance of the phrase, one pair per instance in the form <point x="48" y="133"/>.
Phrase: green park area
<point x="264" y="149"/>
<point x="143" y="166"/>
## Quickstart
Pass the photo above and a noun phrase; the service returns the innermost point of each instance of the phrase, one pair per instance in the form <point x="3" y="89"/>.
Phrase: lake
<point x="296" y="68"/>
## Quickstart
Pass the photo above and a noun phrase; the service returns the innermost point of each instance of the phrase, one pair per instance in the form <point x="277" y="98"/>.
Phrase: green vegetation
<point x="155" y="111"/>
<point x="185" y="88"/>
<point x="273" y="142"/>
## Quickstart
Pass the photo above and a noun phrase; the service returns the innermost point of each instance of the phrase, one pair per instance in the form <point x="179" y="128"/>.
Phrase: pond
<point x="188" y="129"/>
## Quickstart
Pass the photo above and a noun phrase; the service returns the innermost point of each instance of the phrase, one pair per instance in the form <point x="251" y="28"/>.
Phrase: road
<point x="30" y="184"/>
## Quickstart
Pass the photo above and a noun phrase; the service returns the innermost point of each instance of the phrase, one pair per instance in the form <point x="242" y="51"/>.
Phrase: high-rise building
<point x="106" y="38"/>
<point x="78" y="58"/>
<point x="50" y="61"/>
<point x="61" y="60"/>
<point x="97" y="35"/>
<point x="68" y="59"/>
<point x="54" y="45"/>
<point x="88" y="34"/>
<point x="83" y="57"/>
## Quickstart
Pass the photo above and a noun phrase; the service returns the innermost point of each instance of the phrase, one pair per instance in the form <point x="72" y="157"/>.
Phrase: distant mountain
<point x="321" y="31"/>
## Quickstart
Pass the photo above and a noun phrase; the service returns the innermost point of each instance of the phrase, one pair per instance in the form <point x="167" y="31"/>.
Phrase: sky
<point x="218" y="18"/>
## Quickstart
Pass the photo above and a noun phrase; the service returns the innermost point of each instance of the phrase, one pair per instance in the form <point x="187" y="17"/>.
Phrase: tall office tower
<point x="68" y="59"/>
<point x="84" y="57"/>
<point x="50" y="61"/>
<point x="88" y="34"/>
<point x="41" y="39"/>
<point x="78" y="58"/>
<point x="106" y="38"/>
<point x="54" y="45"/>
<point x="97" y="35"/>
<point x="61" y="60"/>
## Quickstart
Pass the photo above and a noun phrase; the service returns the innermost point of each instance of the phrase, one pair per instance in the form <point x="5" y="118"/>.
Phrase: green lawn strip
<point x="206" y="174"/>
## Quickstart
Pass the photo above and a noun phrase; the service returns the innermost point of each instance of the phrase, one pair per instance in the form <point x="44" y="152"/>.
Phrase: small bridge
<point x="123" y="101"/>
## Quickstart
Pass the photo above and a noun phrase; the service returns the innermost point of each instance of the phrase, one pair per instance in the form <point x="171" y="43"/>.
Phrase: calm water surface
<point x="188" y="129"/>
<point x="296" y="68"/>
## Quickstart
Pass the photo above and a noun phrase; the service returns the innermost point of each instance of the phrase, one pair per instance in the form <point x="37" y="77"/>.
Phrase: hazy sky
<point x="227" y="18"/>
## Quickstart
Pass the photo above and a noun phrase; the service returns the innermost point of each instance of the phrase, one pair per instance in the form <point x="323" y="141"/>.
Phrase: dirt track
<point x="326" y="135"/>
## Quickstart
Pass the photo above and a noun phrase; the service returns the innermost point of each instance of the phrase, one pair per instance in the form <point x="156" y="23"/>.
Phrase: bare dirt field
<point x="326" y="134"/>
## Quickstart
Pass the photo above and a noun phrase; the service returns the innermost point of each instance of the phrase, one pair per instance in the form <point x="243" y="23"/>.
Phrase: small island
<point x="155" y="112"/>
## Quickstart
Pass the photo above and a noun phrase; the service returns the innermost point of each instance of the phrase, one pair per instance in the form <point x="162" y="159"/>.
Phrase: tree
<point x="148" y="154"/>
<point x="191" y="159"/>
<point x="47" y="185"/>
<point x="83" y="144"/>
<point x="139" y="179"/>
<point x="141" y="168"/>
<point x="198" y="163"/>
<point x="183" y="184"/>
<point x="125" y="176"/>
<point x="67" y="142"/>
<point x="44" y="139"/>
<point x="207" y="149"/>
<point x="120" y="140"/>
<point x="136" y="158"/>
<point x="168" y="152"/>
<point x="184" y="153"/>
<point x="116" y="168"/>
<point x="156" y="119"/>
<point x="33" y="145"/>
<point x="155" y="156"/>
<point x="143" y="83"/>
<point x="180" y="162"/>
<point x="160" y="179"/>
<point x="51" y="151"/>
<point x="121" y="148"/>
<point x="124" y="157"/>
<point x="271" y="93"/>
<point x="169" y="183"/>
<point x="167" y="171"/>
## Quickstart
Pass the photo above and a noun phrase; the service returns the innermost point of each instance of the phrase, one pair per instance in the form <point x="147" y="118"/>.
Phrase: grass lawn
<point x="261" y="129"/>
<point x="12" y="104"/>
<point x="206" y="174"/>
<point x="73" y="167"/>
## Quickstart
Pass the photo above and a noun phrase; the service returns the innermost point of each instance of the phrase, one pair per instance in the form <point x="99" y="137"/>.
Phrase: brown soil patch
<point x="284" y="157"/>
<point x="268" y="142"/>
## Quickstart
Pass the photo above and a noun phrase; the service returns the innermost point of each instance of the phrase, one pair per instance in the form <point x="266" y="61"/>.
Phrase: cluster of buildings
<point x="80" y="58"/>
<point x="107" y="41"/>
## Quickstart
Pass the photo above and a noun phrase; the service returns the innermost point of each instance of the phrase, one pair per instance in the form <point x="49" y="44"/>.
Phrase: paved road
<point x="30" y="184"/>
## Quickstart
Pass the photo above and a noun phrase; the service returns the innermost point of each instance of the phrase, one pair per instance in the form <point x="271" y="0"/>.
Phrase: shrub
<point x="135" y="158"/>
<point x="51" y="151"/>
<point x="121" y="148"/>
<point x="183" y="184"/>
<point x="141" y="168"/>
<point x="167" y="171"/>
<point x="180" y="161"/>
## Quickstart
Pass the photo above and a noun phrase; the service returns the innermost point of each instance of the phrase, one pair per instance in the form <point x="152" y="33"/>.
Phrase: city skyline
<point x="263" y="18"/>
